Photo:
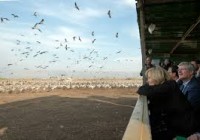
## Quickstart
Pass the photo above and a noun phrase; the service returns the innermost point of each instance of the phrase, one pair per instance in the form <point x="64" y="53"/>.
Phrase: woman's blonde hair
<point x="158" y="74"/>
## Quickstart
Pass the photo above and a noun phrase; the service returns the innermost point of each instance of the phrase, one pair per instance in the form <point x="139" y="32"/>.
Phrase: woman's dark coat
<point x="168" y="106"/>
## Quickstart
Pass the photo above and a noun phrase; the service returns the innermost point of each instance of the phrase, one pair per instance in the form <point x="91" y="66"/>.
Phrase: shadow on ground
<point x="64" y="118"/>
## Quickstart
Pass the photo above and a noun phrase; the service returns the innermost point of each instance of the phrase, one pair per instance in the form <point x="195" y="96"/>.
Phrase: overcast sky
<point x="46" y="36"/>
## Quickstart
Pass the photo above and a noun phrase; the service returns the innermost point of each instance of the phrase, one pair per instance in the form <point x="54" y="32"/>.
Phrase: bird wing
<point x="76" y="6"/>
<point x="109" y="14"/>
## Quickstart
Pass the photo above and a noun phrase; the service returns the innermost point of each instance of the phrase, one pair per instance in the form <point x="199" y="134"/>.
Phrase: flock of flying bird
<point x="25" y="53"/>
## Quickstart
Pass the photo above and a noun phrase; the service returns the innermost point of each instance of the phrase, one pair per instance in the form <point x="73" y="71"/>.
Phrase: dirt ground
<point x="73" y="114"/>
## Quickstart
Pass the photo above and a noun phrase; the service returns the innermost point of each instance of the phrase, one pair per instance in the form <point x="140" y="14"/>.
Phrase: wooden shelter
<point x="169" y="28"/>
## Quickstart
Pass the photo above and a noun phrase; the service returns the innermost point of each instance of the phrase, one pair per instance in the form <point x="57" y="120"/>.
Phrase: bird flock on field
<point x="92" y="56"/>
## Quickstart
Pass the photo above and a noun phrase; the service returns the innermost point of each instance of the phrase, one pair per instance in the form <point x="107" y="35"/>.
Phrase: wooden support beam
<point x="185" y="35"/>
<point x="141" y="19"/>
<point x="149" y="2"/>
<point x="168" y="41"/>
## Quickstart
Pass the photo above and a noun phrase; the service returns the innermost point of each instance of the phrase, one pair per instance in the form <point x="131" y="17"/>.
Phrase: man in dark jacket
<point x="190" y="86"/>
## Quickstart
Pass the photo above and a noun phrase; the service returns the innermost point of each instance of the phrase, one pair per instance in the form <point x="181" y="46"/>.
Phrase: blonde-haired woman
<point x="168" y="107"/>
<point x="157" y="75"/>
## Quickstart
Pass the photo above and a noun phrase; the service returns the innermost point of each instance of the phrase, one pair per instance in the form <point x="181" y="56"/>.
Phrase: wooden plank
<point x="138" y="127"/>
<point x="185" y="35"/>
<point x="148" y="2"/>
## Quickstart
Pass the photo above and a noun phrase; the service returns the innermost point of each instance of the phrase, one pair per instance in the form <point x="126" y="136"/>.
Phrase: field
<point x="65" y="113"/>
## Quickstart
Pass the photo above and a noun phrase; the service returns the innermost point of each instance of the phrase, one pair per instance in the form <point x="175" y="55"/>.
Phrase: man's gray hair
<point x="188" y="66"/>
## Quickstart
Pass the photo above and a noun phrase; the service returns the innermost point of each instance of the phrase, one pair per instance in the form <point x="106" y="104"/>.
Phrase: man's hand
<point x="194" y="137"/>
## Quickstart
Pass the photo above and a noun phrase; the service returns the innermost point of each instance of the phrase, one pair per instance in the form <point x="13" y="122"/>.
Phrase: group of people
<point x="173" y="93"/>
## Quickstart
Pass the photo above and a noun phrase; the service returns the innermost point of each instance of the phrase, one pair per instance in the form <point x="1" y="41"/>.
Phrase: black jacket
<point x="169" y="100"/>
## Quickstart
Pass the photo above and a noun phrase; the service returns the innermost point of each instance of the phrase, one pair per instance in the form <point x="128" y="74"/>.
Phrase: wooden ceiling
<point x="177" y="29"/>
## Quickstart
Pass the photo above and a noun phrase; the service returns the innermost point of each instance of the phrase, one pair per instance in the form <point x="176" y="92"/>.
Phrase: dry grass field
<point x="66" y="114"/>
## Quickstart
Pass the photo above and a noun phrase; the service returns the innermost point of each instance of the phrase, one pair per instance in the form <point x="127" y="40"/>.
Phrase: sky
<point x="46" y="38"/>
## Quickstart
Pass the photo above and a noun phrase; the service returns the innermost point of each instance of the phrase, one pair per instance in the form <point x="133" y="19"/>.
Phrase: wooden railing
<point x="138" y="127"/>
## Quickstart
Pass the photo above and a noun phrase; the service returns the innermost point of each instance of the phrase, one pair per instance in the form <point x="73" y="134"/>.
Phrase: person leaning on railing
<point x="170" y="112"/>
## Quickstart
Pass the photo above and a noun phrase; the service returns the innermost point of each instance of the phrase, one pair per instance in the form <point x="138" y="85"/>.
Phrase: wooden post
<point x="141" y="24"/>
